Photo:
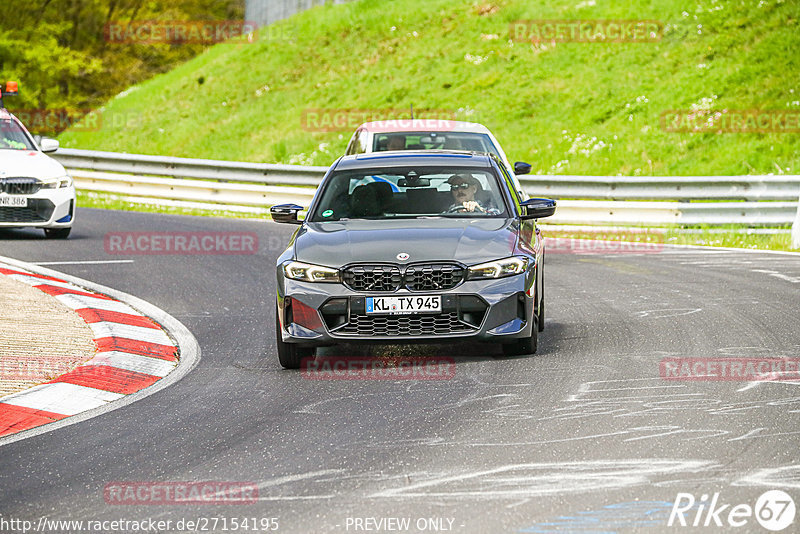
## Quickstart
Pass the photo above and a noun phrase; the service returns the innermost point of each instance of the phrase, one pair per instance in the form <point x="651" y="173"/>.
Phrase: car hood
<point x="14" y="163"/>
<point x="466" y="240"/>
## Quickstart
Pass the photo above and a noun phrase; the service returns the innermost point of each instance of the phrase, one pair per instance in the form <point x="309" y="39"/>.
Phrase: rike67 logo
<point x="774" y="510"/>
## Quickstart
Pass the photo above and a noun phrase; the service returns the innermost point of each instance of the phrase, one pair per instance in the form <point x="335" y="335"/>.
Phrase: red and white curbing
<point x="133" y="352"/>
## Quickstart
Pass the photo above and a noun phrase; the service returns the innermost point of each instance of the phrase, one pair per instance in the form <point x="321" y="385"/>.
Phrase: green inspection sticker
<point x="327" y="213"/>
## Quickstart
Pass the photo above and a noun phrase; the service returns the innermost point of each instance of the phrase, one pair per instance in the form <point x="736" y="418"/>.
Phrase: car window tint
<point x="13" y="137"/>
<point x="410" y="193"/>
<point x="472" y="142"/>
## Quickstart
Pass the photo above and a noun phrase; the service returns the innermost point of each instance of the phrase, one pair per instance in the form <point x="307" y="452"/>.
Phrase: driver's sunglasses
<point x="456" y="187"/>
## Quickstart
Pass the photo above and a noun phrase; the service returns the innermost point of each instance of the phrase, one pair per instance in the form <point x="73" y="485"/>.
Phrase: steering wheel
<point x="456" y="209"/>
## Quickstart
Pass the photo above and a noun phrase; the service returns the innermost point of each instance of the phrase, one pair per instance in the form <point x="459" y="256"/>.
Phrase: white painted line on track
<point x="545" y="479"/>
<point x="86" y="262"/>
<point x="703" y="248"/>
<point x="776" y="274"/>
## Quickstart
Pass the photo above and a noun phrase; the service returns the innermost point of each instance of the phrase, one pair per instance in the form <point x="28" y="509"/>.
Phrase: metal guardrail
<point x="203" y="169"/>
<point x="748" y="200"/>
<point x="686" y="188"/>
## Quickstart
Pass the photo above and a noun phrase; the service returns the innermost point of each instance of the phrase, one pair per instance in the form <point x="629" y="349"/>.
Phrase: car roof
<point x="423" y="125"/>
<point x="404" y="158"/>
<point x="5" y="114"/>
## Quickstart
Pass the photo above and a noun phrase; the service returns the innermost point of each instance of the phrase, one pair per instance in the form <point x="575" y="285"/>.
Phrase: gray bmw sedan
<point x="404" y="247"/>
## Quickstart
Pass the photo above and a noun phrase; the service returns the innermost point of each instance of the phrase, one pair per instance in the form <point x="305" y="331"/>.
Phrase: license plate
<point x="15" y="202"/>
<point x="404" y="305"/>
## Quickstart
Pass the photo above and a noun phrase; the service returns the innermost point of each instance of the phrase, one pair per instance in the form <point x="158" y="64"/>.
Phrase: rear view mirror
<point x="538" y="208"/>
<point x="416" y="182"/>
<point x="285" y="213"/>
<point x="520" y="167"/>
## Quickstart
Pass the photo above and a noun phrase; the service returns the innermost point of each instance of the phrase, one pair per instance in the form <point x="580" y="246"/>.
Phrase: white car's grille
<point x="20" y="186"/>
<point x="38" y="210"/>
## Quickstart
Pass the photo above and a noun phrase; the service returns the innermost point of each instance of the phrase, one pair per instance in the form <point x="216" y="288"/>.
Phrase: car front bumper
<point x="318" y="314"/>
<point x="47" y="208"/>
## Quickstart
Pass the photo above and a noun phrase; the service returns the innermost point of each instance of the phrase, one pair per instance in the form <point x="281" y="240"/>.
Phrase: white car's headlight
<point x="498" y="268"/>
<point x="310" y="273"/>
<point x="58" y="183"/>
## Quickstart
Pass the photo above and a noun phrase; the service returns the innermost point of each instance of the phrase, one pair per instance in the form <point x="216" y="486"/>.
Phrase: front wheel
<point x="540" y="314"/>
<point x="526" y="345"/>
<point x="290" y="355"/>
<point x="56" y="233"/>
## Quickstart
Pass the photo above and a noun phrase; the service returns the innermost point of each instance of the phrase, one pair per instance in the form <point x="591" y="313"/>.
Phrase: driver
<point x="463" y="188"/>
<point x="396" y="142"/>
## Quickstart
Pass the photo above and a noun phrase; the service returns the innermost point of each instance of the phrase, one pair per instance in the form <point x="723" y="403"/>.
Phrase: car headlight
<point x="58" y="183"/>
<point x="498" y="268"/>
<point x="310" y="273"/>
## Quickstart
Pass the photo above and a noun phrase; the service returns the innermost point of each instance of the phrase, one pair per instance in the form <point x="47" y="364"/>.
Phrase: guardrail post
<point x="796" y="228"/>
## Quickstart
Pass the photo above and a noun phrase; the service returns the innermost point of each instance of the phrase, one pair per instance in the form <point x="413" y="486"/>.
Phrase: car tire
<point x="526" y="345"/>
<point x="57" y="233"/>
<point x="290" y="355"/>
<point x="540" y="314"/>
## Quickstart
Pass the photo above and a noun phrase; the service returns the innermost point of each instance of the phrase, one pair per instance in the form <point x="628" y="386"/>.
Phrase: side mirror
<point x="520" y="167"/>
<point x="48" y="145"/>
<point x="286" y="213"/>
<point x="538" y="208"/>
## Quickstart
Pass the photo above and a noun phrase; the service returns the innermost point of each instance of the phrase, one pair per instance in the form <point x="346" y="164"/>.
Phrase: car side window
<point x="512" y="188"/>
<point x="351" y="146"/>
<point x="361" y="142"/>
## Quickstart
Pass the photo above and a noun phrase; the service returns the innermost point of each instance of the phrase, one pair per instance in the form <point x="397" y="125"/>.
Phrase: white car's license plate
<point x="15" y="202"/>
<point x="404" y="305"/>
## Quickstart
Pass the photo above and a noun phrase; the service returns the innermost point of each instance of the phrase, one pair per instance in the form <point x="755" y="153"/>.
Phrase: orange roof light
<point x="11" y="87"/>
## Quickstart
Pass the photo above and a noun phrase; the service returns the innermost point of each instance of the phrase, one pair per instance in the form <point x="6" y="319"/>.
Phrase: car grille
<point x="416" y="277"/>
<point x="20" y="186"/>
<point x="372" y="277"/>
<point x="404" y="325"/>
<point x="433" y="276"/>
<point x="38" y="210"/>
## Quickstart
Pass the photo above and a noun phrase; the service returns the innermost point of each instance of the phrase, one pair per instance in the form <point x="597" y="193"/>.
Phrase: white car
<point x="35" y="189"/>
<point x="431" y="134"/>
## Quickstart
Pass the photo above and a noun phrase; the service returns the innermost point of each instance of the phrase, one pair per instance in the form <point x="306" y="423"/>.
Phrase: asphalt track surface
<point x="583" y="435"/>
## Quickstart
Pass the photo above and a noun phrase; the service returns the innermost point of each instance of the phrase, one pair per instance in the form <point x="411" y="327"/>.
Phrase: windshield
<point x="12" y="137"/>
<point x="473" y="142"/>
<point x="410" y="193"/>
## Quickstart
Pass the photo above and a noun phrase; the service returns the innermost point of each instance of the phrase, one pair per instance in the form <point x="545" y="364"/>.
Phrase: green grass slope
<point x="568" y="108"/>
